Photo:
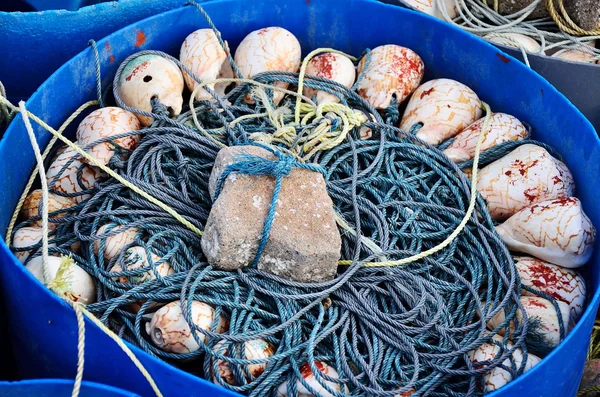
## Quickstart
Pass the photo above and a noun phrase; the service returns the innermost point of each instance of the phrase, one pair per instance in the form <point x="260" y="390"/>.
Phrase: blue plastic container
<point x="43" y="328"/>
<point x="59" y="388"/>
<point x="35" y="44"/>
<point x="43" y="5"/>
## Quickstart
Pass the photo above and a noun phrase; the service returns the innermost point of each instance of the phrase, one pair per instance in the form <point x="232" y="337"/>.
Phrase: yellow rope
<point x="110" y="172"/>
<point x="270" y="112"/>
<point x="57" y="286"/>
<point x="123" y="347"/>
<point x="564" y="22"/>
<point x="495" y="7"/>
<point x="38" y="157"/>
<point x="253" y="82"/>
<point x="320" y="138"/>
<point x="197" y="123"/>
<point x="365" y="240"/>
<point x="303" y="73"/>
<point x="62" y="128"/>
<point x="465" y="220"/>
<point x="594" y="349"/>
<point x="325" y="139"/>
<point x="593" y="353"/>
<point x="247" y="117"/>
<point x="588" y="390"/>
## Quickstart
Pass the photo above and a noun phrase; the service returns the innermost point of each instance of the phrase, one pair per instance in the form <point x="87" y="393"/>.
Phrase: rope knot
<point x="392" y="112"/>
<point x="261" y="137"/>
<point x="284" y="166"/>
<point x="183" y="165"/>
<point x="250" y="164"/>
<point x="159" y="108"/>
<point x="286" y="133"/>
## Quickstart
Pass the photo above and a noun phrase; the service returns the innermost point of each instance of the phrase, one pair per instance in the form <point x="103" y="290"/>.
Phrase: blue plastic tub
<point x="59" y="388"/>
<point x="40" y="42"/>
<point x="42" y="5"/>
<point x="43" y="327"/>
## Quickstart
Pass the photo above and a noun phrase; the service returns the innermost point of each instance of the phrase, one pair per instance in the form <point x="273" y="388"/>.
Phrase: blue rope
<point x="399" y="326"/>
<point x="384" y="330"/>
<point x="98" y="72"/>
<point x="361" y="75"/>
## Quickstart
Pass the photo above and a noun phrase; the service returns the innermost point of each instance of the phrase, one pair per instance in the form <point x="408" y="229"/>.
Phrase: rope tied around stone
<point x="253" y="165"/>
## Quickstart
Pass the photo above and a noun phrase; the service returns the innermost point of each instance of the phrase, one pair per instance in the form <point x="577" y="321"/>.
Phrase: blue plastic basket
<point x="43" y="327"/>
<point x="59" y="388"/>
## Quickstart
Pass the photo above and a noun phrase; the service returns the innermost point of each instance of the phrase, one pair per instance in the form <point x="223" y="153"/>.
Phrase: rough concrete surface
<point x="304" y="243"/>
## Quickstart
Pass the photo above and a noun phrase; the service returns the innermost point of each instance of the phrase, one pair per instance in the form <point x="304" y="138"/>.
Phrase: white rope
<point x="45" y="256"/>
<point x="480" y="18"/>
<point x="80" y="349"/>
<point x="44" y="183"/>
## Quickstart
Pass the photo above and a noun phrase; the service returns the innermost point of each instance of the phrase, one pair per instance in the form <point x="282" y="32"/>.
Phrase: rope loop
<point x="562" y="19"/>
<point x="94" y="46"/>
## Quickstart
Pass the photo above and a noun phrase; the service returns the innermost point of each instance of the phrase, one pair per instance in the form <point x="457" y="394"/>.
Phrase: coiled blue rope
<point x="408" y="327"/>
<point x="385" y="330"/>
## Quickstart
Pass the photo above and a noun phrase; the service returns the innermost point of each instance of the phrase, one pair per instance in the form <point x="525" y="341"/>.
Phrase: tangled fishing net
<point x="387" y="329"/>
